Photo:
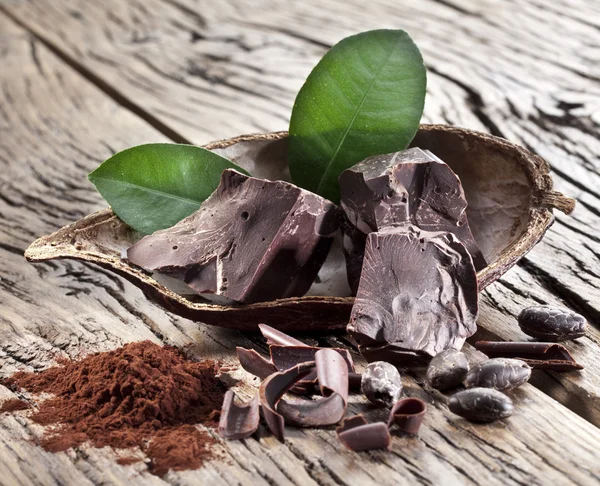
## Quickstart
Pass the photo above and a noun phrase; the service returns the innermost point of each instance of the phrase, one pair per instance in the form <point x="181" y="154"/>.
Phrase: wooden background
<point x="80" y="80"/>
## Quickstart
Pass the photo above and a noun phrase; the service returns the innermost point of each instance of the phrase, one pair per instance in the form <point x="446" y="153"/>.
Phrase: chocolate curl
<point x="254" y="363"/>
<point x="284" y="357"/>
<point x="238" y="421"/>
<point x="354" y="381"/>
<point x="541" y="356"/>
<point x="273" y="388"/>
<point x="357" y="435"/>
<point x="332" y="375"/>
<point x="273" y="336"/>
<point x="407" y="414"/>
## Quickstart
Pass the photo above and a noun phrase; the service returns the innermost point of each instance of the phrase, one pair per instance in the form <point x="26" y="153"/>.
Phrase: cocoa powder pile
<point x="141" y="395"/>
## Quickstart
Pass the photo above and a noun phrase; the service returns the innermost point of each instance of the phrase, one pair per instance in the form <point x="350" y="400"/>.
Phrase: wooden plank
<point x="253" y="60"/>
<point x="69" y="308"/>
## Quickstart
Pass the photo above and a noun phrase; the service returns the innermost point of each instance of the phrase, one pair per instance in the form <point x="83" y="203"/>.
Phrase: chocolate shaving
<point x="273" y="336"/>
<point x="354" y="381"/>
<point x="284" y="357"/>
<point x="254" y="363"/>
<point x="357" y="435"/>
<point x="238" y="421"/>
<point x="332" y="375"/>
<point x="408" y="414"/>
<point x="541" y="356"/>
<point x="273" y="388"/>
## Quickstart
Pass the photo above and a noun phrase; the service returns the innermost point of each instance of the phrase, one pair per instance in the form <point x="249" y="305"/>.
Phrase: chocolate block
<point x="409" y="187"/>
<point x="252" y="240"/>
<point x="418" y="292"/>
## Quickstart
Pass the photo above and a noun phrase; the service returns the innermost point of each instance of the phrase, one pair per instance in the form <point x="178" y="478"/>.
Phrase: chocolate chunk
<point x="499" y="373"/>
<point x="252" y="240"/>
<point x="381" y="384"/>
<point x="408" y="415"/>
<point x="238" y="421"/>
<point x="447" y="369"/>
<point x="409" y="187"/>
<point x="552" y="323"/>
<point x="481" y="405"/>
<point x="418" y="291"/>
<point x="357" y="435"/>
<point x="542" y="356"/>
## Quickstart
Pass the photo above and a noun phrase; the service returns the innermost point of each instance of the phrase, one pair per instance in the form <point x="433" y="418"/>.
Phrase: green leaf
<point x="153" y="186"/>
<point x="365" y="97"/>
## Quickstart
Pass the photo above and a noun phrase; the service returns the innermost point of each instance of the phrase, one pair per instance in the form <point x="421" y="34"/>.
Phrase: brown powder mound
<point x="140" y="395"/>
<point x="14" y="405"/>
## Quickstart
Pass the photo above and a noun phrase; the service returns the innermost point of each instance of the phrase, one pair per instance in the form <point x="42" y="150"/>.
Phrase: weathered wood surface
<point x="81" y="80"/>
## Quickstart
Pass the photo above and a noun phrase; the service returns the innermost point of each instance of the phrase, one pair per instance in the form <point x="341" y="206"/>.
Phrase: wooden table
<point x="81" y="80"/>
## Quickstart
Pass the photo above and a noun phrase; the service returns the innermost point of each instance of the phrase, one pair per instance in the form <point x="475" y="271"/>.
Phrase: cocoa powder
<point x="13" y="405"/>
<point x="141" y="395"/>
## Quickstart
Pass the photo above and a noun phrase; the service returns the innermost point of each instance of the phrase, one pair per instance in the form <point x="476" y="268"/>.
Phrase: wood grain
<point x="96" y="77"/>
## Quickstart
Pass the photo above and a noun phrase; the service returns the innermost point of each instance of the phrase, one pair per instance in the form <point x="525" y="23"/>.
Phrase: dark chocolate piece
<point x="408" y="414"/>
<point x="541" y="356"/>
<point x="447" y="369"/>
<point x="238" y="421"/>
<point x="552" y="323"/>
<point x="273" y="336"/>
<point x="332" y="375"/>
<point x="381" y="384"/>
<point x="252" y="240"/>
<point x="254" y="363"/>
<point x="357" y="435"/>
<point x="481" y="404"/>
<point x="498" y="373"/>
<point x="418" y="291"/>
<point x="408" y="187"/>
<point x="273" y="388"/>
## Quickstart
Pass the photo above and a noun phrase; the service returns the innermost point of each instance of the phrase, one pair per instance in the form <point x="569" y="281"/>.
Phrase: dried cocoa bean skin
<point x="481" y="404"/>
<point x="499" y="373"/>
<point x="552" y="323"/>
<point x="381" y="384"/>
<point x="447" y="369"/>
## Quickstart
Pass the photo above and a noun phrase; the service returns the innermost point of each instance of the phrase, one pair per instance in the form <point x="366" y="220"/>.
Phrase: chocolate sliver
<point x="357" y="435"/>
<point x="284" y="357"/>
<point x="301" y="412"/>
<point x="332" y="374"/>
<point x="407" y="414"/>
<point x="306" y="387"/>
<point x="273" y="336"/>
<point x="395" y="355"/>
<point x="238" y="421"/>
<point x="273" y="388"/>
<point x="254" y="363"/>
<point x="354" y="381"/>
<point x="541" y="356"/>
